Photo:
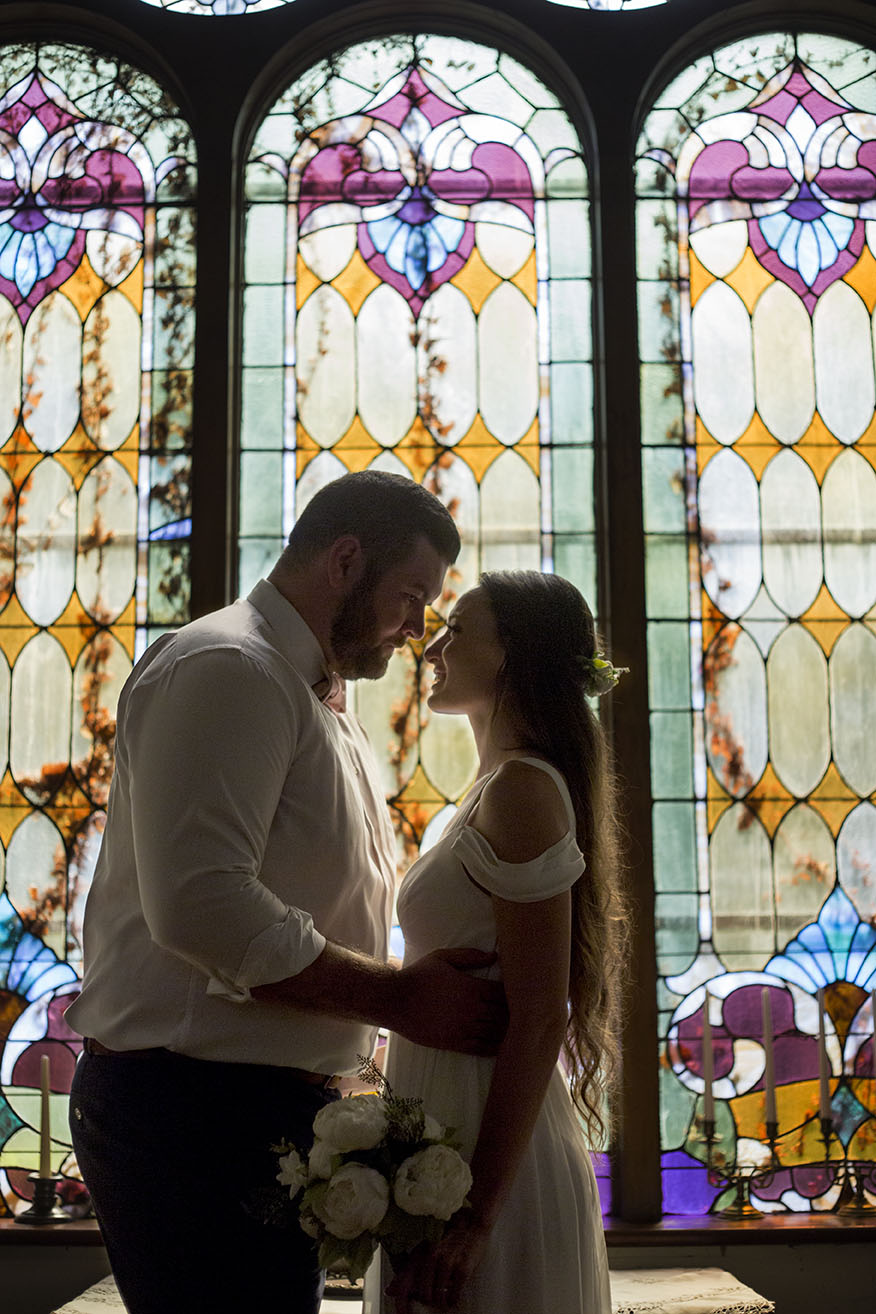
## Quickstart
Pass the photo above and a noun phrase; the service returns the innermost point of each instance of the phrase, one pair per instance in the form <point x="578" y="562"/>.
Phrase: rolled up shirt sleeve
<point x="208" y="745"/>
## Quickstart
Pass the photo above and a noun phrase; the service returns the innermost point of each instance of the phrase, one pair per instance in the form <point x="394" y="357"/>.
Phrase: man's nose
<point x="415" y="624"/>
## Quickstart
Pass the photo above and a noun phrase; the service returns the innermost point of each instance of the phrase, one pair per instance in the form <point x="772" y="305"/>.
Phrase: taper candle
<point x="823" y="1085"/>
<point x="708" y="1065"/>
<point x="45" y="1128"/>
<point x="769" y="1069"/>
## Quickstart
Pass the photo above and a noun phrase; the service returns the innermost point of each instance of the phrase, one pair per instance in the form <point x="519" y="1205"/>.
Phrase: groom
<point x="236" y="933"/>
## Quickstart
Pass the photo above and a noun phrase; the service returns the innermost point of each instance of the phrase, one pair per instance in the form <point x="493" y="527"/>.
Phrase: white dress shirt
<point x="246" y="825"/>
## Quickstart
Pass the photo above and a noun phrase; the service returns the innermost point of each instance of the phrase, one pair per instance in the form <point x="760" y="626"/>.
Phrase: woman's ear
<point x="346" y="562"/>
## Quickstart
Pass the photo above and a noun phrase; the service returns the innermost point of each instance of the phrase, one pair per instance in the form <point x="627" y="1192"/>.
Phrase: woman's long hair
<point x="548" y="633"/>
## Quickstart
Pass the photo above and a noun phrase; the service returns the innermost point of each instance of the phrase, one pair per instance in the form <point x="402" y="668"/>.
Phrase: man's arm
<point x="433" y="1002"/>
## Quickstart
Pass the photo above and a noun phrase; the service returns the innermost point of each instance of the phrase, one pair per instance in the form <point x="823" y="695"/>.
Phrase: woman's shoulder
<point x="522" y="811"/>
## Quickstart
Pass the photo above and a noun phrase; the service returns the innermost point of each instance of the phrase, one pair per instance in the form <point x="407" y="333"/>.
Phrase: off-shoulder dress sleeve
<point x="552" y="872"/>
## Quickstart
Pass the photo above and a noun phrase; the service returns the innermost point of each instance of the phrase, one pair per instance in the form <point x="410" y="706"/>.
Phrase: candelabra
<point x="738" y="1176"/>
<point x="853" y="1203"/>
<point x="44" y="1207"/>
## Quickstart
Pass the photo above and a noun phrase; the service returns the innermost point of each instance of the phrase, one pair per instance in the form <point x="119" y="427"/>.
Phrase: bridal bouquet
<point x="381" y="1172"/>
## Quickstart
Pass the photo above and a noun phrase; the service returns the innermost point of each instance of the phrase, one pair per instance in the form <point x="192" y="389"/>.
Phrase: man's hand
<point x="440" y="1005"/>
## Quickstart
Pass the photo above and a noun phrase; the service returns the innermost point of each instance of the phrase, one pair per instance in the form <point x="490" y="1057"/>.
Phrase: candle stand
<point x="44" y="1207"/>
<point x="733" y="1175"/>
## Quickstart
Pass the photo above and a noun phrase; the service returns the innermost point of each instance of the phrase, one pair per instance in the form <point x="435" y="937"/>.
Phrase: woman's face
<point x="467" y="657"/>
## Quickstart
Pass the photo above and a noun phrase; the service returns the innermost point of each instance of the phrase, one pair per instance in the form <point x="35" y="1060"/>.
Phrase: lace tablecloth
<point x="683" y="1291"/>
<point x="633" y="1291"/>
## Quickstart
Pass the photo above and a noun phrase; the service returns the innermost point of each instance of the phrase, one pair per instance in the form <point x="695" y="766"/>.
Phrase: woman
<point x="528" y="867"/>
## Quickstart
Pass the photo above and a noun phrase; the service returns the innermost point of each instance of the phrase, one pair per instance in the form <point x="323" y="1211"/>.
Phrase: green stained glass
<point x="97" y="323"/>
<point x="758" y="391"/>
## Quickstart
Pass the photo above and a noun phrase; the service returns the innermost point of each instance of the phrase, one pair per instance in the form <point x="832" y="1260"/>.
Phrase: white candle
<point x="769" y="1069"/>
<point x="45" y="1129"/>
<point x="708" y="1065"/>
<point x="823" y="1085"/>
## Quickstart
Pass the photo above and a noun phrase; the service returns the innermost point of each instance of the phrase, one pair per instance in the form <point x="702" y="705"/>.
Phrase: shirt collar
<point x="295" y="637"/>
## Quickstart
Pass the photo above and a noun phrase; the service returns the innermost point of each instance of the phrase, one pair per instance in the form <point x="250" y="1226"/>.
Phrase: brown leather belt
<point x="91" y="1046"/>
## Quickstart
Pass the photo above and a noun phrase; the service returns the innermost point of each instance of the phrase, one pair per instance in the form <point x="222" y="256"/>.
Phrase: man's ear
<point x="346" y="562"/>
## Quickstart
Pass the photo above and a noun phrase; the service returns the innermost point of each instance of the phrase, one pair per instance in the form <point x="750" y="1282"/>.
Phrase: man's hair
<point x="387" y="513"/>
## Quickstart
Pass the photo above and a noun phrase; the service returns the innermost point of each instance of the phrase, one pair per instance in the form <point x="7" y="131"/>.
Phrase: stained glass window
<point x="418" y="299"/>
<point x="756" y="242"/>
<point x="608" y="6"/>
<point x="219" y="8"/>
<point x="96" y="326"/>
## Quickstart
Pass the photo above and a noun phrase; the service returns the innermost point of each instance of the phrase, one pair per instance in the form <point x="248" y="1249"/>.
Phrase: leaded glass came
<point x="96" y="325"/>
<point x="757" y="195"/>
<point x="417" y="299"/>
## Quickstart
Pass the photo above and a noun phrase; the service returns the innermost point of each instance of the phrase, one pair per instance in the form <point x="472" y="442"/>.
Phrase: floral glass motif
<point x="606" y="6"/>
<point x="96" y="319"/>
<point x="418" y="299"/>
<point x="218" y="8"/>
<point x="756" y="180"/>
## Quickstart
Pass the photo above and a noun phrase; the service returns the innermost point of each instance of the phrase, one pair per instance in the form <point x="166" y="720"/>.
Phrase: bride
<point x="528" y="866"/>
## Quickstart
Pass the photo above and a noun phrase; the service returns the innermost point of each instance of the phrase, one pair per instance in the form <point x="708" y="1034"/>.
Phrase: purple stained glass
<point x="415" y="221"/>
<point x="797" y="213"/>
<point x="46" y="212"/>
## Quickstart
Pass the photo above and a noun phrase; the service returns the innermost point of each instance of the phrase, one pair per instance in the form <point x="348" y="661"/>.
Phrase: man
<point x="237" y="928"/>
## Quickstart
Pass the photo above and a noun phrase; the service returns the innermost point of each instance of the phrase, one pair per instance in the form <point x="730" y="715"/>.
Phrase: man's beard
<point x="356" y="657"/>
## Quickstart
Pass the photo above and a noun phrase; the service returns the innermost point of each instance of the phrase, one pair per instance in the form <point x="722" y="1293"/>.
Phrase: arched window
<point x="96" y="325"/>
<point x="756" y="185"/>
<point x="218" y="8"/>
<point x="417" y="299"/>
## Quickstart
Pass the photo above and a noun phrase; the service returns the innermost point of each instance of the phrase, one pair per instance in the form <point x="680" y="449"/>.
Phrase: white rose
<point x="355" y="1201"/>
<point x="433" y="1181"/>
<point x="432" y="1130"/>
<point x="293" y="1172"/>
<point x="321" y="1159"/>
<point x="356" y="1123"/>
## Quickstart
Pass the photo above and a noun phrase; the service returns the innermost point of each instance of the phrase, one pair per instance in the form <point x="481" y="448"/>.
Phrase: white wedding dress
<point x="547" y="1250"/>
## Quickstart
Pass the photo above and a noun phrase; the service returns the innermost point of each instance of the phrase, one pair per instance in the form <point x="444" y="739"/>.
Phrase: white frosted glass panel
<point x="448" y="754"/>
<point x="453" y="481"/>
<point x="34" y="852"/>
<point x="848" y="497"/>
<point x="447" y="370"/>
<point x="791" y="518"/>
<point x="106" y="654"/>
<point x="46" y="555"/>
<point x="722" y="360"/>
<point x="798" y="716"/>
<point x="730" y="526"/>
<point x="326" y="366"/>
<point x="510" y="538"/>
<point x="106" y="572"/>
<point x="328" y="250"/>
<point x="40" y="730"/>
<point x="111" y="370"/>
<point x="805" y="868"/>
<point x="783" y="363"/>
<point x="5" y="686"/>
<point x="856" y="858"/>
<point x="317" y="473"/>
<point x="52" y="366"/>
<point x="852" y="706"/>
<point x="386" y="366"/>
<point x="508" y="363"/>
<point x="843" y="362"/>
<point x="504" y="250"/>
<point x="11" y="344"/>
<point x="380" y="704"/>
<point x="741" y="879"/>
<point x="112" y="255"/>
<point x="720" y="247"/>
<point x="740" y="706"/>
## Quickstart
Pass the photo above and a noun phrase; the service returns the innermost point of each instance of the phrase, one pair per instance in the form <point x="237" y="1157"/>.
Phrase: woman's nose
<point x="435" y="647"/>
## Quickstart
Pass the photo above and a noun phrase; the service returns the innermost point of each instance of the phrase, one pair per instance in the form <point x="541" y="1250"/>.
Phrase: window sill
<point x="673" y="1230"/>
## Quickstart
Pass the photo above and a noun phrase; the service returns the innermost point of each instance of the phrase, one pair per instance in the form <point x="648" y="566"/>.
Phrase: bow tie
<point x="332" y="691"/>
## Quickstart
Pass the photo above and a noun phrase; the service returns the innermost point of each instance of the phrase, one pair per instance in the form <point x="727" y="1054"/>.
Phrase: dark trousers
<point x="172" y="1149"/>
